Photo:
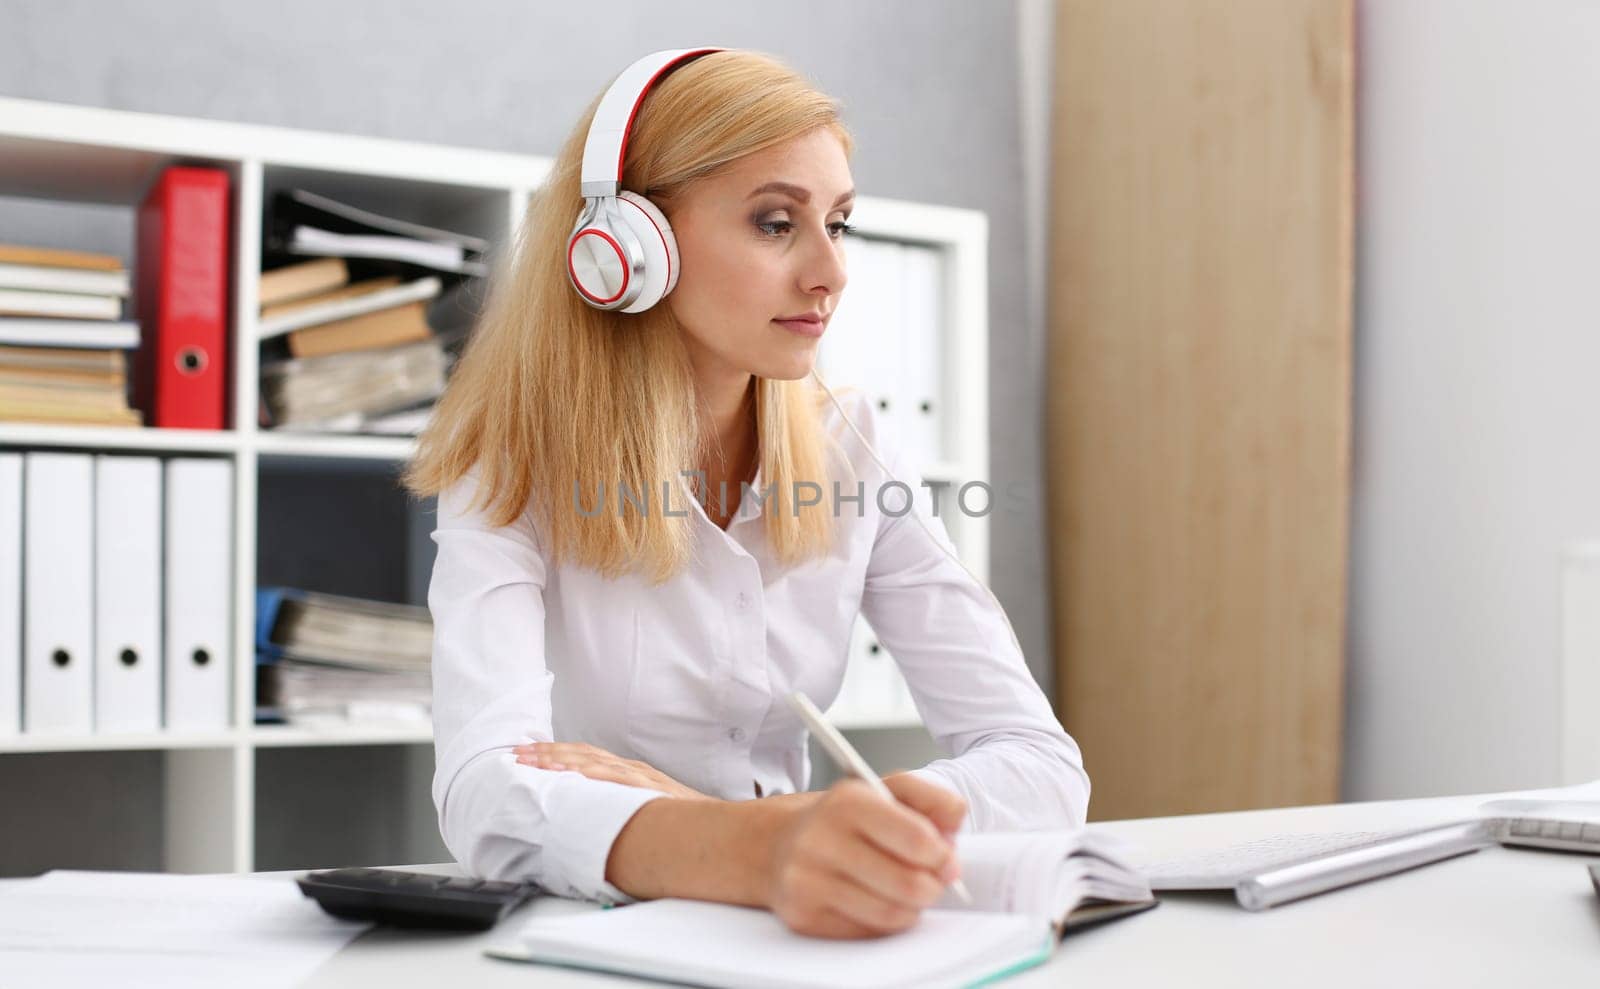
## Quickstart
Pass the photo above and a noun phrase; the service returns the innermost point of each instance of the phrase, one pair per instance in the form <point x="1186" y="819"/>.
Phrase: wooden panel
<point x="1199" y="402"/>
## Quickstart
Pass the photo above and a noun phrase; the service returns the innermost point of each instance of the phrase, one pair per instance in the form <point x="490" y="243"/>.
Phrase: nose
<point x="822" y="270"/>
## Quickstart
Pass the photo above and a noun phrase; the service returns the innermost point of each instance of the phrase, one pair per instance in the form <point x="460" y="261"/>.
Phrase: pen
<point x="850" y="761"/>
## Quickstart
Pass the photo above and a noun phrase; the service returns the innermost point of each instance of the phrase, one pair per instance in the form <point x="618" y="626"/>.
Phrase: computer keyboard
<point x="1533" y="832"/>
<point x="1222" y="867"/>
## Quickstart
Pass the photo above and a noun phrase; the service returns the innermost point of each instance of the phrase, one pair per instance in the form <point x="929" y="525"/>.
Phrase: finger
<point x="856" y="910"/>
<point x="538" y="762"/>
<point x="945" y="808"/>
<point x="850" y="856"/>
<point x="566" y="751"/>
<point x="897" y="829"/>
<point x="858" y="902"/>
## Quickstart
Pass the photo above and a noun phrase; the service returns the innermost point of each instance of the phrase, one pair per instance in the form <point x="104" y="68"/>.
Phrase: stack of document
<point x="326" y="657"/>
<point x="67" y="929"/>
<point x="63" y="347"/>
<point x="361" y="338"/>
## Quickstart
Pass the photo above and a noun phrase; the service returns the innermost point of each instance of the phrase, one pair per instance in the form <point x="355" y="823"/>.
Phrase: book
<point x="15" y="410"/>
<point x="24" y="302"/>
<point x="305" y="390"/>
<point x="63" y="359"/>
<point x="332" y="628"/>
<point x="440" y="257"/>
<point x="350" y="290"/>
<point x="331" y="657"/>
<point x="1027" y="888"/>
<point x="181" y="375"/>
<point x="301" y="222"/>
<point x="300" y="692"/>
<point x="55" y="258"/>
<point x="330" y="214"/>
<point x="297" y="281"/>
<point x="109" y="400"/>
<point x="43" y="278"/>
<point x="352" y="301"/>
<point x="63" y="377"/>
<point x="76" y="334"/>
<point x="385" y="328"/>
<point x="301" y="280"/>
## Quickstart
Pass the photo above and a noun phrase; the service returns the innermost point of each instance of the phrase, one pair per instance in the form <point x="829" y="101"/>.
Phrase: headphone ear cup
<point x="654" y="234"/>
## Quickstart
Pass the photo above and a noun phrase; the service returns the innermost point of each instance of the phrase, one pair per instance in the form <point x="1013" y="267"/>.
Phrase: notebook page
<point x="1043" y="873"/>
<point x="1011" y="872"/>
<point x="717" y="944"/>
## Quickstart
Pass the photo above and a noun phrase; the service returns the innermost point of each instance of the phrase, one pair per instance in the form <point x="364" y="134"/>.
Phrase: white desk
<point x="1498" y="918"/>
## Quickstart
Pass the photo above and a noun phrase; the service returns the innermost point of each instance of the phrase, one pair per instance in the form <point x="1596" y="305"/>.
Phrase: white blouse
<point x="691" y="676"/>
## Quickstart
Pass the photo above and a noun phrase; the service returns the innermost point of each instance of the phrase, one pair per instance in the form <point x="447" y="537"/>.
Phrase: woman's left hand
<point x="598" y="764"/>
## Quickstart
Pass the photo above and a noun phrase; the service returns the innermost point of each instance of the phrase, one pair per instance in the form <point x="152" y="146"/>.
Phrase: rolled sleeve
<point x="491" y="691"/>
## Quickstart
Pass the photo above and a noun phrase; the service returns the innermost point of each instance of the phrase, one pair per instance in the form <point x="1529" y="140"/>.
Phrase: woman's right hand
<point x="853" y="865"/>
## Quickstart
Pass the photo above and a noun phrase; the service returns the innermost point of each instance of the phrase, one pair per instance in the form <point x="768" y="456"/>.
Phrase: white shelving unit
<point x="89" y="155"/>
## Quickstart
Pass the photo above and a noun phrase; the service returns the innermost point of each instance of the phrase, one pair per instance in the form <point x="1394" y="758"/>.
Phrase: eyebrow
<point x="795" y="192"/>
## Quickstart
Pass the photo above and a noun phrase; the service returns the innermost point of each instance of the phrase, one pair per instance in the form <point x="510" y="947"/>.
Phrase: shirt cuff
<point x="585" y="820"/>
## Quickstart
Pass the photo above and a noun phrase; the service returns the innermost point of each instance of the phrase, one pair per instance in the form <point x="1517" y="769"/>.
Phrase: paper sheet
<point x="68" y="929"/>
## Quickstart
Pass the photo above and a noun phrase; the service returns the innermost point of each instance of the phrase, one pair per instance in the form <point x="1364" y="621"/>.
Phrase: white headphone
<point x="621" y="255"/>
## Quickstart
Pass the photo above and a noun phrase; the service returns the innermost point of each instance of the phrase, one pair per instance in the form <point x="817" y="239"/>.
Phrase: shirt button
<point x="737" y="734"/>
<point x="743" y="600"/>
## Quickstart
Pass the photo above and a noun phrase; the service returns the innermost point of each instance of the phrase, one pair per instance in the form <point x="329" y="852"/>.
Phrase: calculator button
<point x="1552" y="829"/>
<point x="462" y="882"/>
<point x="1570" y="830"/>
<point x="1523" y="827"/>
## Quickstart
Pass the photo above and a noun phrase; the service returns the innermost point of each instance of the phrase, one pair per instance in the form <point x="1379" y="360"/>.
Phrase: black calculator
<point x="414" y="899"/>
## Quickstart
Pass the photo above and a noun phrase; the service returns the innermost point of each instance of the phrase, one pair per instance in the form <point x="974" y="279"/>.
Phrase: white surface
<point x="90" y="929"/>
<point x="1497" y="918"/>
<point x="1476" y="403"/>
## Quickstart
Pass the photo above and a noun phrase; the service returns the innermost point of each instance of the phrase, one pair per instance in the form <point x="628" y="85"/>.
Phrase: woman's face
<point x="759" y="242"/>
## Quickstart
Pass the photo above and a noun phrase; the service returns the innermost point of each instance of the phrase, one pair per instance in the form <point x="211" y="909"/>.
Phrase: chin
<point x="788" y="365"/>
<point x="791" y="370"/>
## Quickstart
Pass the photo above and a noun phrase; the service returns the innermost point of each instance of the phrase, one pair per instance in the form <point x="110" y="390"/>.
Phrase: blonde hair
<point x="553" y="399"/>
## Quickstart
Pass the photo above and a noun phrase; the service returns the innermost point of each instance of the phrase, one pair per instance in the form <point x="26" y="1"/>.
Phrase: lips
<point x="808" y="325"/>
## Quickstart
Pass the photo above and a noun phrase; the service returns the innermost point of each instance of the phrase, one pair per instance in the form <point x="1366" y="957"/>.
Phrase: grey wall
<point x="1476" y="455"/>
<point x="930" y="88"/>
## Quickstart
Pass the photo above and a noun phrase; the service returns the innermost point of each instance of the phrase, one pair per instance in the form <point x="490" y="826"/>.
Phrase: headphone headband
<point x="607" y="144"/>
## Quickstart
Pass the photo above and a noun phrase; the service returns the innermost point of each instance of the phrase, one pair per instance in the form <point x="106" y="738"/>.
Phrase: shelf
<point x="118" y="743"/>
<point x="114" y="438"/>
<point x="218" y="792"/>
<point x="336" y="446"/>
<point x="279" y="736"/>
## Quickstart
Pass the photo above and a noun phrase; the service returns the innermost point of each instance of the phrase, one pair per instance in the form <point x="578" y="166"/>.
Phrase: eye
<point x="777" y="228"/>
<point x="841" y="229"/>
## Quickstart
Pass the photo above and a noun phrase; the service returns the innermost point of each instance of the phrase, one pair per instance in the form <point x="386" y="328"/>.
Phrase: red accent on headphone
<point x="578" y="282"/>
<point x="627" y="130"/>
<point x="663" y="237"/>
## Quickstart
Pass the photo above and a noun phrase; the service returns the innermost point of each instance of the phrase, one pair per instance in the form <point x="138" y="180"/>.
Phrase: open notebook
<point x="1028" y="888"/>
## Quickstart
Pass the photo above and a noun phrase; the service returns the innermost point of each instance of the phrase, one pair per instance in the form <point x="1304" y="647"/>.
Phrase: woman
<point x="610" y="672"/>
